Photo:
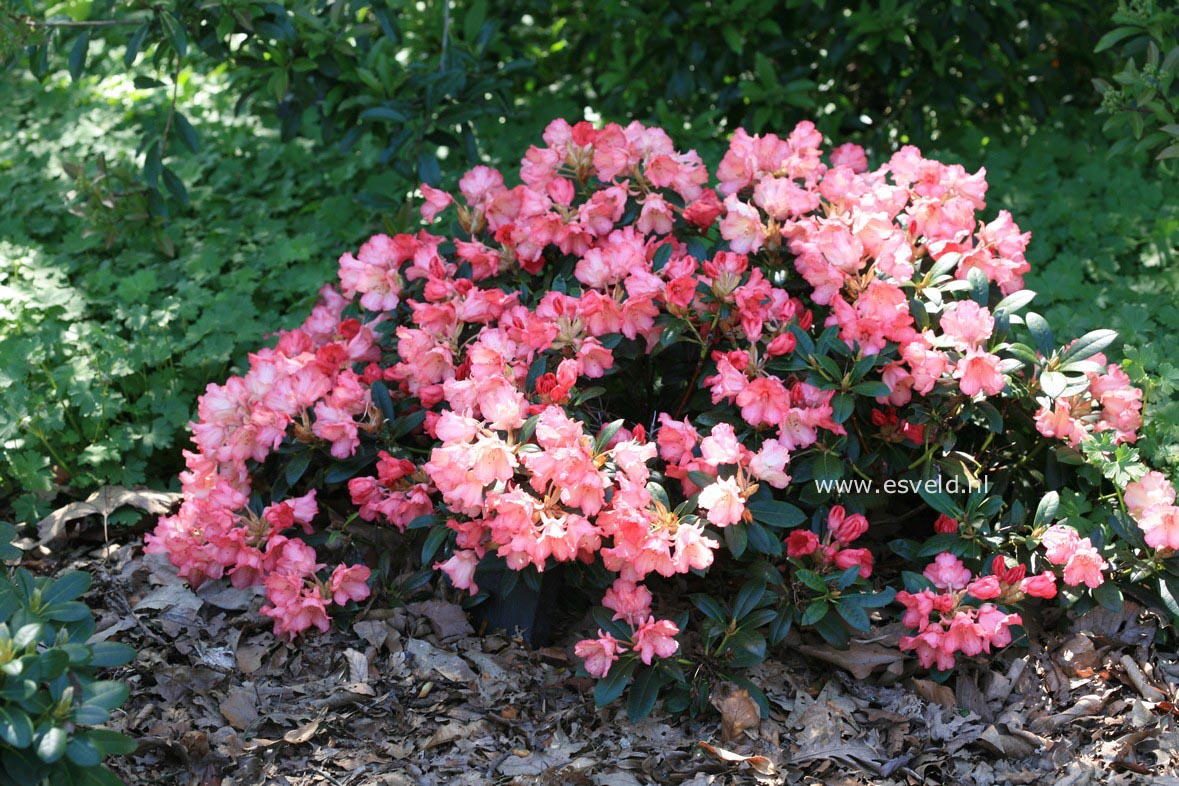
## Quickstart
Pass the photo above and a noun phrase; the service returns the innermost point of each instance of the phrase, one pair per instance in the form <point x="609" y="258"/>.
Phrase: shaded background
<point x="178" y="179"/>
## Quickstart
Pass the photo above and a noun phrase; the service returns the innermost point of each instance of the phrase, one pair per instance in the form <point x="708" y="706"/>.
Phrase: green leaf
<point x="133" y="45"/>
<point x="77" y="61"/>
<point x="643" y="694"/>
<point x="15" y="727"/>
<point x="1040" y="331"/>
<point x="109" y="742"/>
<point x="811" y="579"/>
<point x="613" y="684"/>
<point x="26" y="635"/>
<point x="828" y="468"/>
<point x="872" y="389"/>
<point x="762" y="540"/>
<point x="107" y="694"/>
<point x="748" y="597"/>
<point x="384" y="113"/>
<point x="1015" y="301"/>
<point x="83" y="753"/>
<point x="814" y="612"/>
<point x="736" y="539"/>
<point x="854" y="614"/>
<point x="709" y="607"/>
<point x="188" y="134"/>
<point x="833" y="630"/>
<point x="940" y="501"/>
<point x="779" y="515"/>
<point x="383" y="400"/>
<point x="1114" y="36"/>
<point x="1108" y="595"/>
<point x="1089" y="345"/>
<point x="68" y="586"/>
<point x="87" y="715"/>
<point x="607" y="433"/>
<point x="52" y="744"/>
<point x="297" y="466"/>
<point x="175" y="185"/>
<point x="434" y="541"/>
<point x="936" y="544"/>
<point x="1046" y="510"/>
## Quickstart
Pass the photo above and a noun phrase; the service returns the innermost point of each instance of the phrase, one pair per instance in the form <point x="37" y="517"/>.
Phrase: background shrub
<point x="180" y="179"/>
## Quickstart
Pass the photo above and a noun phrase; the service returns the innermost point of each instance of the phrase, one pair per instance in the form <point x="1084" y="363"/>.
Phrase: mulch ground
<point x="411" y="697"/>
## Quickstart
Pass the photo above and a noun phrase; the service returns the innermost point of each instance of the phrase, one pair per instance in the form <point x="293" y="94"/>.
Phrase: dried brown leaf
<point x="929" y="690"/>
<point x="860" y="659"/>
<point x="760" y="764"/>
<point x="303" y="733"/>
<point x="103" y="503"/>
<point x="738" y="713"/>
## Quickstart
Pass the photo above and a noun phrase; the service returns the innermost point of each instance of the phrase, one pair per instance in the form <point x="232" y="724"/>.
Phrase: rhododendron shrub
<point x="795" y="391"/>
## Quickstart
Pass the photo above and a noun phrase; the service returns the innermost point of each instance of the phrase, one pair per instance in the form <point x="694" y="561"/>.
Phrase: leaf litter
<point x="411" y="697"/>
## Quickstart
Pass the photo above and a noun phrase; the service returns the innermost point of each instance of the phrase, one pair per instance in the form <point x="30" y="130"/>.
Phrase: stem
<point x="445" y="34"/>
<point x="924" y="456"/>
<point x="71" y="23"/>
<point x="171" y="111"/>
<point x="692" y="382"/>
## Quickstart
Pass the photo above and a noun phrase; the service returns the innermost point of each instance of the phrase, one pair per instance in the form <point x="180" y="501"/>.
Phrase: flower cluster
<point x="306" y="389"/>
<point x="968" y="617"/>
<point x="615" y="364"/>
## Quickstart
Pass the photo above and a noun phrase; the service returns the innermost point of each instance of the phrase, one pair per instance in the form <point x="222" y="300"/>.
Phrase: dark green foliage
<point x="1143" y="100"/>
<point x="212" y="186"/>
<point x="1104" y="249"/>
<point x="105" y="347"/>
<point x="52" y="705"/>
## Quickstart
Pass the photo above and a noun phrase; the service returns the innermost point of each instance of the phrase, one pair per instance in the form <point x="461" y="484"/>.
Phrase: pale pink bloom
<point x="769" y="463"/>
<point x="656" y="639"/>
<point x="847" y="558"/>
<point x="723" y="502"/>
<point x="629" y="601"/>
<point x="599" y="654"/>
<point x="1085" y="566"/>
<point x="460" y="568"/>
<point x="947" y="572"/>
<point x="349" y="583"/>
<point x="967" y="323"/>
<point x="742" y="226"/>
<point x="676" y="439"/>
<point x="721" y="446"/>
<point x="851" y="156"/>
<point x="843" y="527"/>
<point x="1151" y="489"/>
<point x="436" y="201"/>
<point x="764" y="401"/>
<point x="1060" y="542"/>
<point x="985" y="588"/>
<point x="1160" y="525"/>
<point x="979" y="371"/>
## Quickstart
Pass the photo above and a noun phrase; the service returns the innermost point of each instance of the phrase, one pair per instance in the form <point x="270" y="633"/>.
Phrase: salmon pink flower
<point x="656" y="639"/>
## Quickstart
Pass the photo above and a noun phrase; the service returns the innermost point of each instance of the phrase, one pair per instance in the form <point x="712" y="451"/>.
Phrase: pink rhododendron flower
<point x="599" y="654"/>
<point x="1060" y="543"/>
<point x="801" y="542"/>
<point x="724" y="502"/>
<point x="947" y="572"/>
<point x="656" y="639"/>
<point x="1085" y="566"/>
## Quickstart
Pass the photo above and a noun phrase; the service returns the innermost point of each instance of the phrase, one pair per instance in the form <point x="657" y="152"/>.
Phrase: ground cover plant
<point x="660" y="381"/>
